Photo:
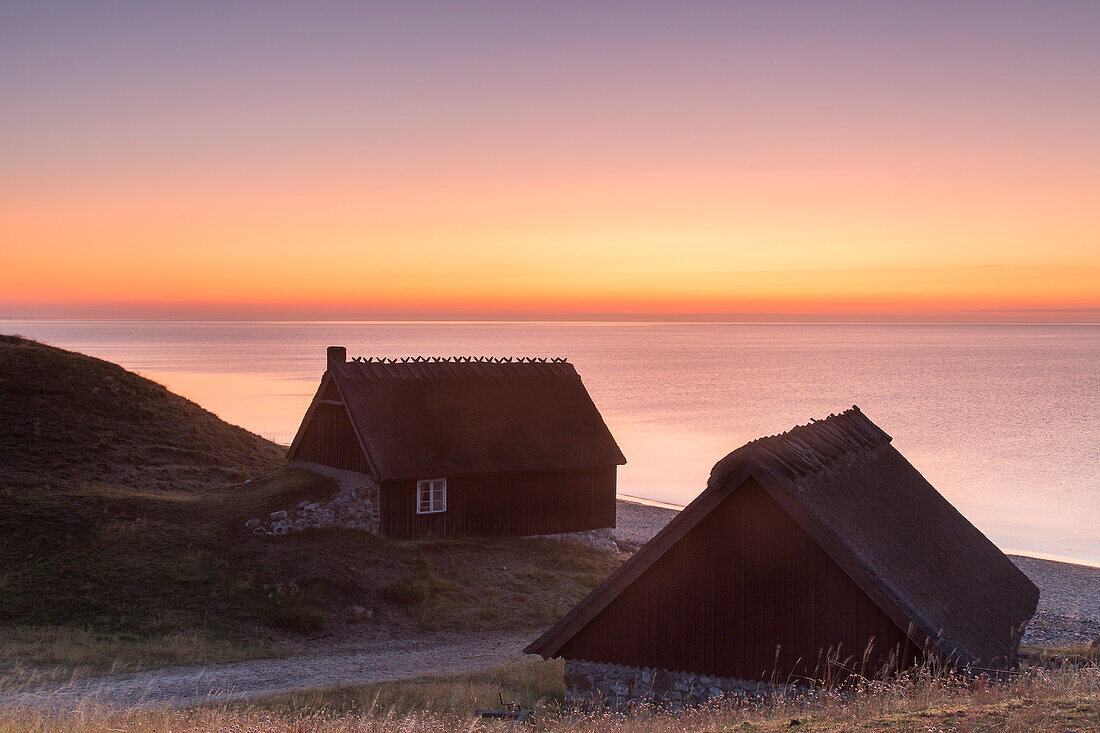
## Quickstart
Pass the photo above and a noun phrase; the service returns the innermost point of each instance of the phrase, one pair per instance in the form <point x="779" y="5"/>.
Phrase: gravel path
<point x="182" y="686"/>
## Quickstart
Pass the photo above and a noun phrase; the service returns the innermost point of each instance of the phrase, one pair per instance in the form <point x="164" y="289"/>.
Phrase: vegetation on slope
<point x="69" y="420"/>
<point x="128" y="572"/>
<point x="108" y="566"/>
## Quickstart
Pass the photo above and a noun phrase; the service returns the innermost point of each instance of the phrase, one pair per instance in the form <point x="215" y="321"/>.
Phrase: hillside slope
<point x="122" y="528"/>
<point x="69" y="420"/>
<point x="100" y="579"/>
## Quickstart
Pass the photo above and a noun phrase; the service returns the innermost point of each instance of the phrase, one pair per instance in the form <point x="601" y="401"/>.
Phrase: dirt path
<point x="183" y="686"/>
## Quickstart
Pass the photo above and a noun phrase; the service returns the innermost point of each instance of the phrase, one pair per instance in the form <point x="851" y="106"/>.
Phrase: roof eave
<point x="374" y="468"/>
<point x="307" y="417"/>
<point x="325" y="379"/>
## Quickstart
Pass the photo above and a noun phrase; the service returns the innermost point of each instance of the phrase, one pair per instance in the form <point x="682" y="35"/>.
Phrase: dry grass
<point x="533" y="684"/>
<point x="1057" y="657"/>
<point x="1043" y="701"/>
<point x="32" y="655"/>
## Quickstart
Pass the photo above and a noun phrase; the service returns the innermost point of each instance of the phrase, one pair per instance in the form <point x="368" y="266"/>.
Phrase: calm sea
<point x="1002" y="419"/>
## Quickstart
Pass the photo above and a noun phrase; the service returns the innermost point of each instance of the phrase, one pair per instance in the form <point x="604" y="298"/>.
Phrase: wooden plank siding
<point x="748" y="594"/>
<point x="329" y="438"/>
<point x="512" y="504"/>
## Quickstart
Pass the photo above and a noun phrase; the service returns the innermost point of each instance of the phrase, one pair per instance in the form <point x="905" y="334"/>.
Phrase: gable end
<point x="327" y="434"/>
<point x="744" y="593"/>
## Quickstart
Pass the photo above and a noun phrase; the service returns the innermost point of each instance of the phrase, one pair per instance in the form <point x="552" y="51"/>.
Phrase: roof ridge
<point x="454" y="367"/>
<point x="805" y="449"/>
<point x="460" y="359"/>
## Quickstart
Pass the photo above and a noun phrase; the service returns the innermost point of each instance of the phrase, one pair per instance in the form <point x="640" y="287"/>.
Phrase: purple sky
<point x="591" y="126"/>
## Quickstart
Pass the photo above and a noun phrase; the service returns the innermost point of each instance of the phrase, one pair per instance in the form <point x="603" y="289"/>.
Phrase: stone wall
<point x="601" y="539"/>
<point x="354" y="506"/>
<point x="591" y="684"/>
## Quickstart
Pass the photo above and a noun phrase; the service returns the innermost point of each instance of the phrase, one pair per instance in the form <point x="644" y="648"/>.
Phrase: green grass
<point x="119" y="569"/>
<point x="133" y="562"/>
<point x="69" y="420"/>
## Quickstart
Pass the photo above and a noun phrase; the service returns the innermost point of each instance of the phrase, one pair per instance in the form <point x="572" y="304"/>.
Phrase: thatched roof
<point x="914" y="554"/>
<point x="426" y="417"/>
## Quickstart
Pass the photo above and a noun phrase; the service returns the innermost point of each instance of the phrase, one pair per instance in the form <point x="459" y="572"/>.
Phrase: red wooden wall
<point x="513" y="504"/>
<point x="746" y="594"/>
<point x="329" y="438"/>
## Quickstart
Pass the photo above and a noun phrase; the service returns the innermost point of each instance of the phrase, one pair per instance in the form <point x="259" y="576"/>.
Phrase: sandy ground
<point x="1069" y="613"/>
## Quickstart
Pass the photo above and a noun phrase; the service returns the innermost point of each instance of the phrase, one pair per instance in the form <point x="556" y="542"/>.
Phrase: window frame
<point x="430" y="486"/>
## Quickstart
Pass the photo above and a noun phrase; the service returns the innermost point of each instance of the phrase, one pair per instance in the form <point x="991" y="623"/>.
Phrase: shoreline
<point x="1068" y="612"/>
<point x="1011" y="552"/>
<point x="1063" y="559"/>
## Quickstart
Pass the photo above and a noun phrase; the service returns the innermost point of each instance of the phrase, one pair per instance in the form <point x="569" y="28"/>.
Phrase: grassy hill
<point x="67" y="419"/>
<point x="123" y="548"/>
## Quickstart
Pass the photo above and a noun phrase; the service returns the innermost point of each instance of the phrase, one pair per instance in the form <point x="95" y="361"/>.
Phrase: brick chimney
<point x="337" y="355"/>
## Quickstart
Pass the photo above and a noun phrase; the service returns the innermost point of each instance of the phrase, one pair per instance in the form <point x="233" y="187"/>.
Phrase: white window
<point x="431" y="496"/>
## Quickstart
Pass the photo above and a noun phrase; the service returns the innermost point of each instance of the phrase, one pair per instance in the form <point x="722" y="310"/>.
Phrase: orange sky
<point x="852" y="174"/>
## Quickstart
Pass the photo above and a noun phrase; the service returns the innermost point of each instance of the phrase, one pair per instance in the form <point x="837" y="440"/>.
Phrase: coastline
<point x="1068" y="612"/>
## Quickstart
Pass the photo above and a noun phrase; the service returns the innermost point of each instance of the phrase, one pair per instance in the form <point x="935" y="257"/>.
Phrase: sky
<point x="784" y="160"/>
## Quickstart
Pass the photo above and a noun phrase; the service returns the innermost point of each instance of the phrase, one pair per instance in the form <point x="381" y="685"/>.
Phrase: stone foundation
<point x="591" y="684"/>
<point x="602" y="539"/>
<point x="354" y="506"/>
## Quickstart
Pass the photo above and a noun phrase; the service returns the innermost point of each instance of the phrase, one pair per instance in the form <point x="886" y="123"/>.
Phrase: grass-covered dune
<point x="123" y="548"/>
<point x="69" y="420"/>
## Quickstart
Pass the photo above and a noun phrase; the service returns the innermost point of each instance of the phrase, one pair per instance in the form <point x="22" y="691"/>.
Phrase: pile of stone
<point x="353" y="507"/>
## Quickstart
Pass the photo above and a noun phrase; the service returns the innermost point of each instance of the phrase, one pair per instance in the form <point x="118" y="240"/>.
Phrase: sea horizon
<point x="678" y="395"/>
<point x="686" y="319"/>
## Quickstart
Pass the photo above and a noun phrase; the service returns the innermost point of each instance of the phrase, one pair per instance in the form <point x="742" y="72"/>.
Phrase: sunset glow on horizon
<point x="911" y="161"/>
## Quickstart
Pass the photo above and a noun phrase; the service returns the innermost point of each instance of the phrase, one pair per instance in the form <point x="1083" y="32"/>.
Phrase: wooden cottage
<point x="811" y="556"/>
<point x="465" y="446"/>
